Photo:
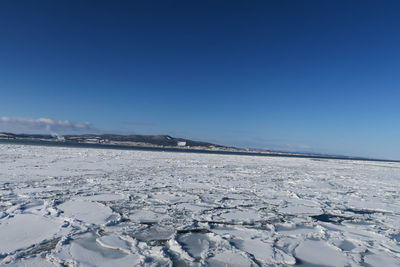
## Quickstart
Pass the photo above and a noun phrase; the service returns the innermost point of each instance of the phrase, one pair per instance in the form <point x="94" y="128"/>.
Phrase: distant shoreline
<point x="182" y="150"/>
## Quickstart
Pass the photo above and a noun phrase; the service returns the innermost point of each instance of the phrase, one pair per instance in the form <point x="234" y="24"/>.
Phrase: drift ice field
<point x="93" y="207"/>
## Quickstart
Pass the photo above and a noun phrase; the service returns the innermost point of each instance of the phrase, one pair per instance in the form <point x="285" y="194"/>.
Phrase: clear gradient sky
<point x="321" y="76"/>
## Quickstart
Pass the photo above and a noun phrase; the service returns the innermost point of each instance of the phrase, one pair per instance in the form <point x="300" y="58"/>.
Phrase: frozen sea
<point x="92" y="207"/>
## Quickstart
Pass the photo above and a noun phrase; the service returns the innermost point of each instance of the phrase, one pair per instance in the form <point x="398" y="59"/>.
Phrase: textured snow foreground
<point x="89" y="207"/>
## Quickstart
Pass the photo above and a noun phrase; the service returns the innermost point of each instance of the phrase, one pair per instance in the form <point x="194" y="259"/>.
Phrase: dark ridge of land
<point x="158" y="140"/>
<point x="156" y="143"/>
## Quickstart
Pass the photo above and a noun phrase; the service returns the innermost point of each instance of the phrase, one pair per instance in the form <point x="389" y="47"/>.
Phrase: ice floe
<point x="320" y="253"/>
<point x="86" y="211"/>
<point x="24" y="230"/>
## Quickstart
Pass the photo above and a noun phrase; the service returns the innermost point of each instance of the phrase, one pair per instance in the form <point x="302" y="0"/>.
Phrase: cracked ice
<point x="93" y="207"/>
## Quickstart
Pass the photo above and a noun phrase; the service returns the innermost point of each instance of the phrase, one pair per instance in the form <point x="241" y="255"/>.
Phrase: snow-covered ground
<point x="89" y="207"/>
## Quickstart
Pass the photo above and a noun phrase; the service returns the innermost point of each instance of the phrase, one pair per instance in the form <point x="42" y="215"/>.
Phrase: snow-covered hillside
<point x="90" y="207"/>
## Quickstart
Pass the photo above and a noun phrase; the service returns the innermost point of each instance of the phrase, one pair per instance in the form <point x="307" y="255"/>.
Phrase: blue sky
<point x="321" y="76"/>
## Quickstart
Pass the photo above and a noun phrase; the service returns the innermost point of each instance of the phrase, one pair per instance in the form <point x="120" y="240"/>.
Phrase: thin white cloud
<point x="44" y="126"/>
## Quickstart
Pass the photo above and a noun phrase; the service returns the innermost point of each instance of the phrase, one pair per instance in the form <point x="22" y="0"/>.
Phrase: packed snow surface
<point x="92" y="207"/>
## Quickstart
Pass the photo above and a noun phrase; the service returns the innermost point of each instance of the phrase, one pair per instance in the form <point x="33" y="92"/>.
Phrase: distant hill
<point x="157" y="140"/>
